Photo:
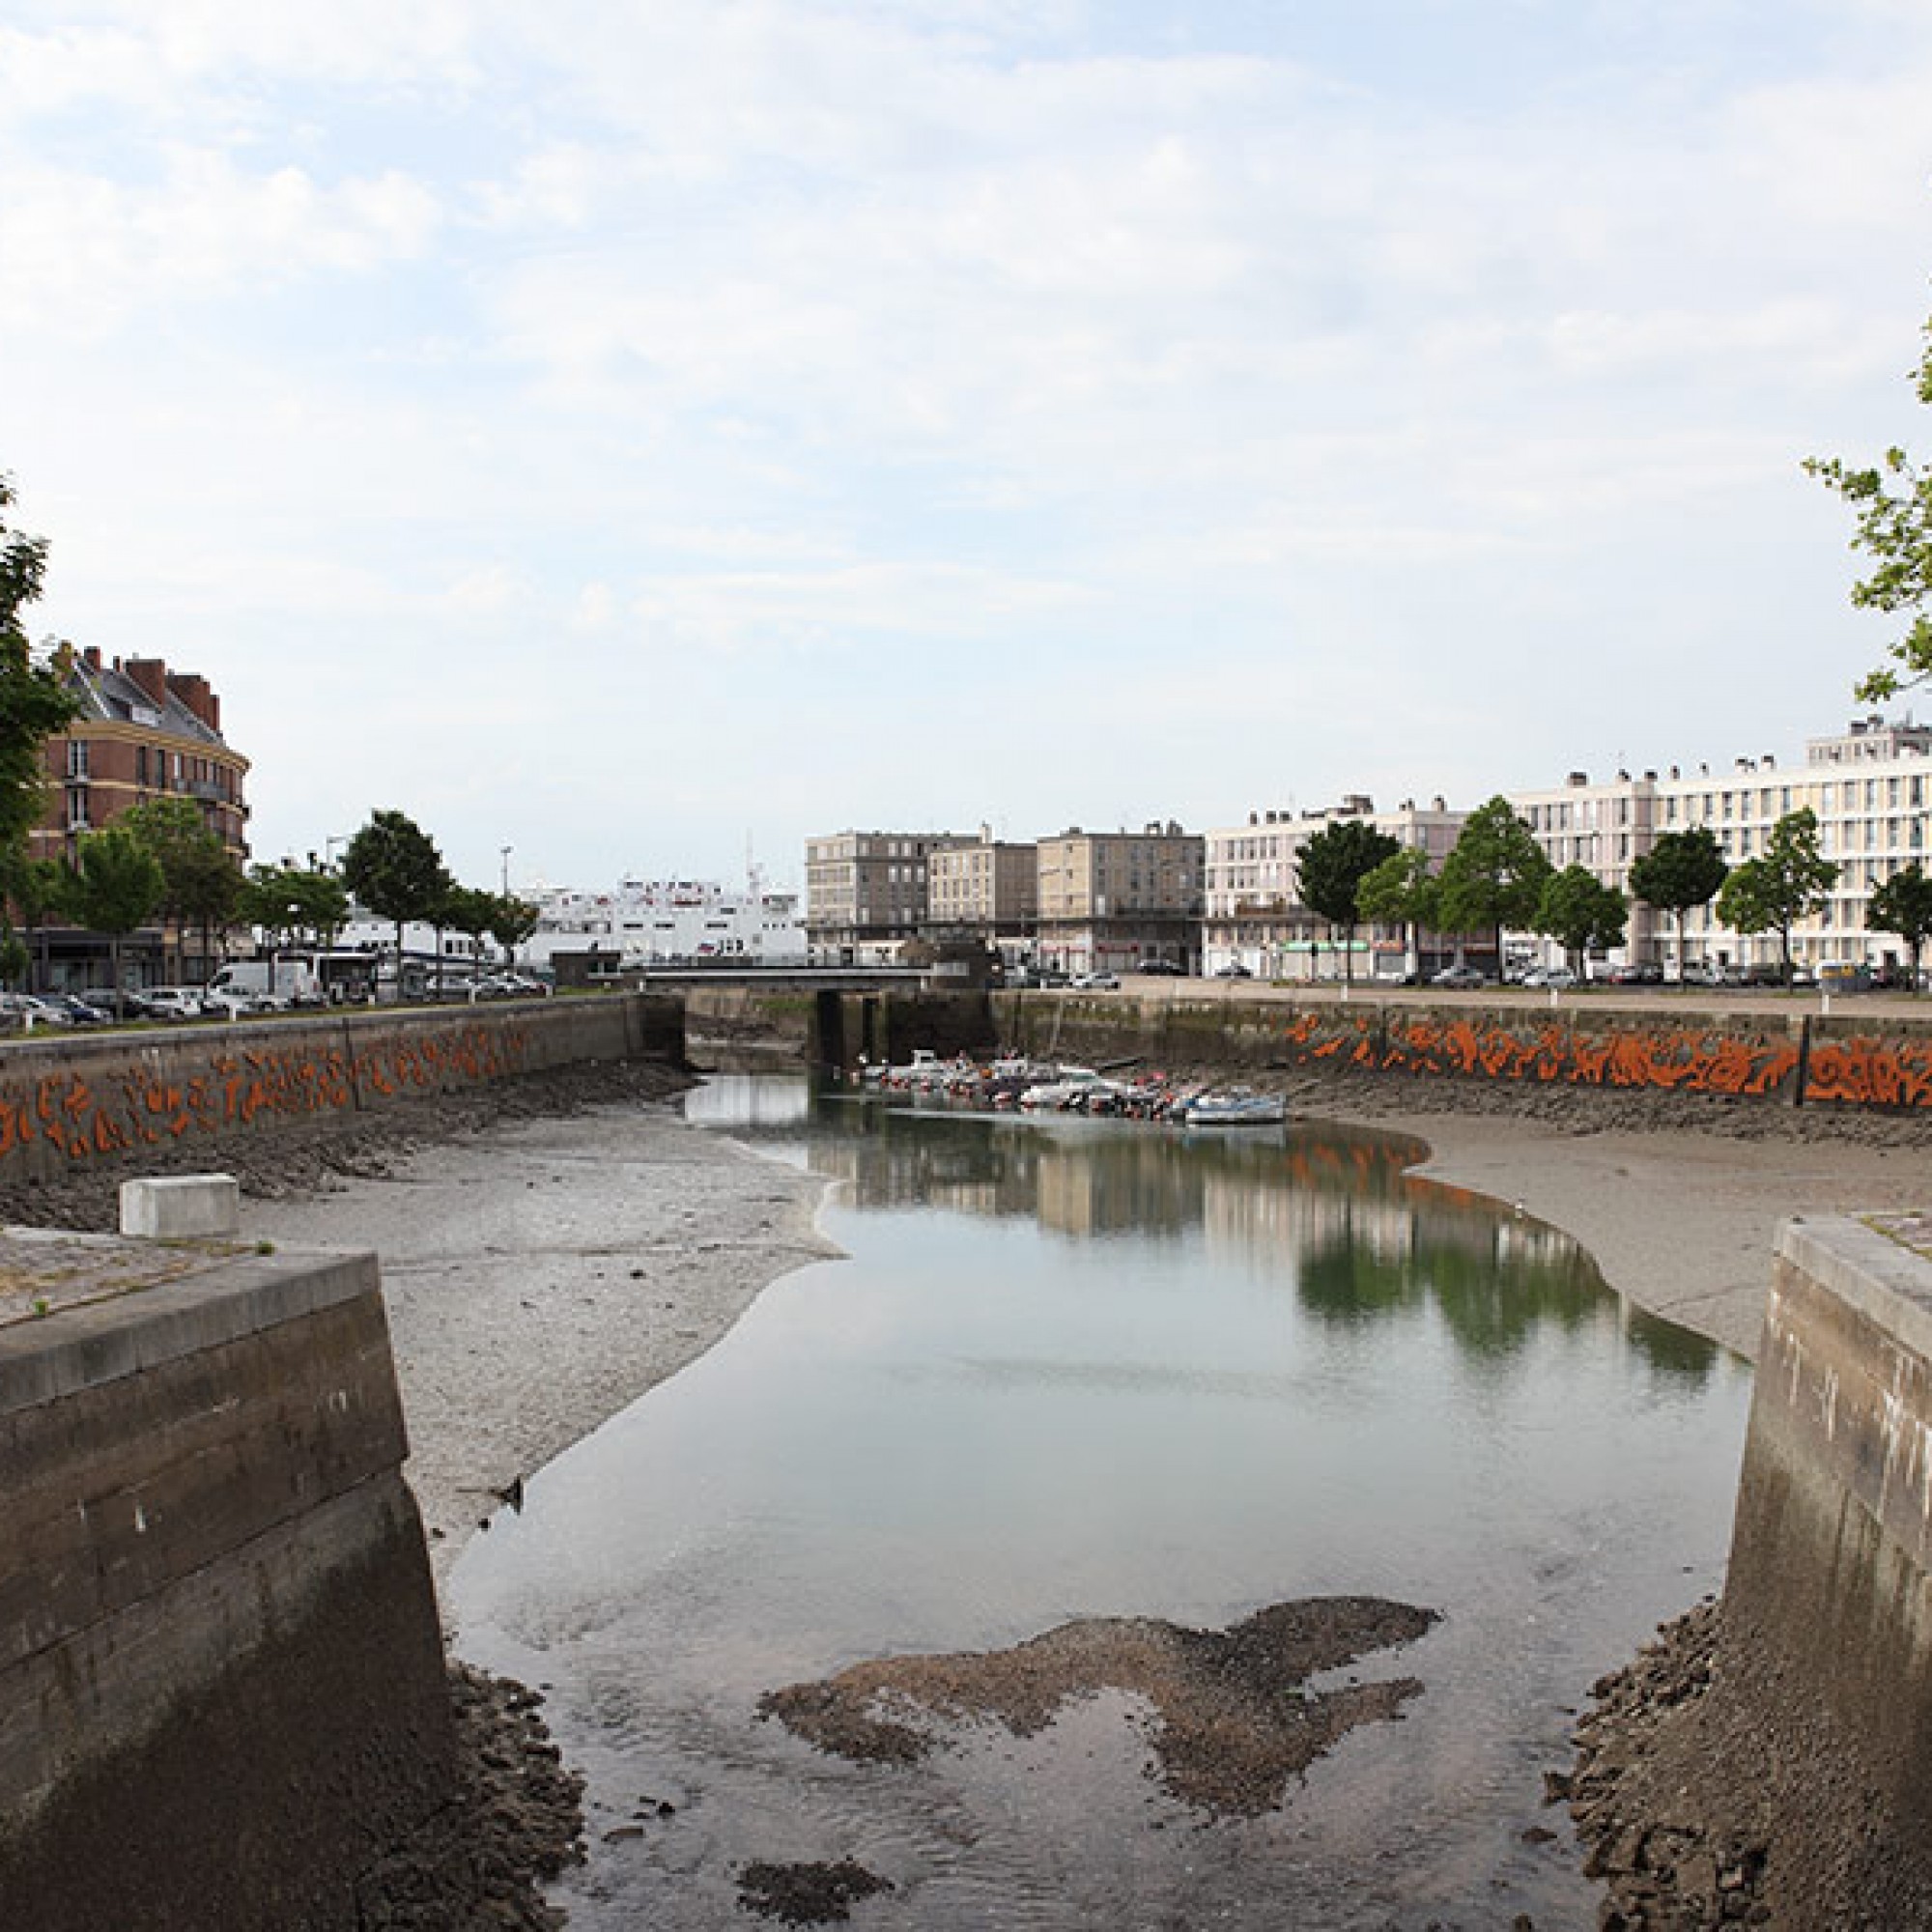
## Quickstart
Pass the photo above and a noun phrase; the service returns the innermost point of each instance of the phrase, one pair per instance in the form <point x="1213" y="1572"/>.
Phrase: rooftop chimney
<point x="151" y="674"/>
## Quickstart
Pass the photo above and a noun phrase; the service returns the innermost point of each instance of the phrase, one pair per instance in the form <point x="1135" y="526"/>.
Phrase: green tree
<point x="295" y="902"/>
<point x="1494" y="876"/>
<point x="1789" y="879"/>
<point x="1891" y="503"/>
<point x="35" y="888"/>
<point x="393" y="868"/>
<point x="35" y="702"/>
<point x="1681" y="869"/>
<point x="202" y="879"/>
<point x="1331" y="867"/>
<point x="512" y="920"/>
<point x="1580" y="912"/>
<point x="468" y="910"/>
<point x="1401" y="891"/>
<point x="1903" y="904"/>
<point x="115" y="886"/>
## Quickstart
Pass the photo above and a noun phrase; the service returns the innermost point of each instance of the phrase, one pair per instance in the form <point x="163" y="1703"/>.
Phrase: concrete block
<point x="182" y="1207"/>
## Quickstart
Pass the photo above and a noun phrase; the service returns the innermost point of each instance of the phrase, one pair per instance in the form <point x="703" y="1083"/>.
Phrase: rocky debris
<point x="809" y="1894"/>
<point x="515" y="1821"/>
<point x="1670" y="1861"/>
<point x="1709" y="1794"/>
<point x="1233" y="1720"/>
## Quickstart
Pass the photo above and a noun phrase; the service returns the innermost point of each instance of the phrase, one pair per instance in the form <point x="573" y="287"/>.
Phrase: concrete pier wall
<point x="222" y="1693"/>
<point x="1793" y="1058"/>
<point x="115" y="1098"/>
<point x="1790" y="1058"/>
<point x="1828" y="1607"/>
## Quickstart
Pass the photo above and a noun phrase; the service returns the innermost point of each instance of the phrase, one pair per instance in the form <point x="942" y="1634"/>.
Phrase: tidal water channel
<point x="1090" y="1370"/>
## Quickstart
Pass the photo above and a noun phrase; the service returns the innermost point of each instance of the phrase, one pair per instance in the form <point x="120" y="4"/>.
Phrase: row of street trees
<point x="393" y="868"/>
<point x="1498" y="879"/>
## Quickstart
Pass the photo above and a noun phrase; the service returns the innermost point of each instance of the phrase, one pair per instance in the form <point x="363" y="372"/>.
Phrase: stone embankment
<point x="223" y="1696"/>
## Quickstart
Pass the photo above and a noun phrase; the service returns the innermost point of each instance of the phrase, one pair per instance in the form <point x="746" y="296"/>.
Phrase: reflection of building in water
<point x="1111" y="1181"/>
<point x="888" y="1158"/>
<point x="1334" y="1211"/>
<point x="1329" y="1191"/>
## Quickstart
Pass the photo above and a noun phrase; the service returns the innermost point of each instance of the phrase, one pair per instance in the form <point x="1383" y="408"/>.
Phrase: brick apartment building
<point x="143" y="733"/>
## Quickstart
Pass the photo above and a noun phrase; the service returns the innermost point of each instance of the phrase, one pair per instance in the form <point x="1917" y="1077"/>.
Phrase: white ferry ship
<point x="666" y="922"/>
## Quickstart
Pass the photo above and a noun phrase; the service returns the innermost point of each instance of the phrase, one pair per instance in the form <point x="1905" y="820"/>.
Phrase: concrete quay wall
<point x="119" y="1097"/>
<point x="222" y="1692"/>
<point x="1844" y="1059"/>
<point x="1827" y="1604"/>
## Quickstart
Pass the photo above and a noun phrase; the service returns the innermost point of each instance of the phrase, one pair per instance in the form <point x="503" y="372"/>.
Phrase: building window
<point x="76" y="757"/>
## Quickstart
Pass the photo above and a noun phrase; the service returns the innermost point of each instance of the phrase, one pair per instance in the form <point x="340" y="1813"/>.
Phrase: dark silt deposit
<point x="1231" y="1717"/>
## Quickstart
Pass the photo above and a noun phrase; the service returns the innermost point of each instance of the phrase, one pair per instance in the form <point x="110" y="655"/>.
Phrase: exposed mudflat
<point x="1231" y="1717"/>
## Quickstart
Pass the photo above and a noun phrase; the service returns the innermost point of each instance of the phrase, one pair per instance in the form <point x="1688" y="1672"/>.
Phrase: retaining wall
<point x="116" y="1097"/>
<point x="1827" y="1605"/>
<point x="1798" y="1058"/>
<point x="222" y="1693"/>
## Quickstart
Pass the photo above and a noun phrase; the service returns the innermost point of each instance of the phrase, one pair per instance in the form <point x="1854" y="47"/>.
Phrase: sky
<point x="645" y="436"/>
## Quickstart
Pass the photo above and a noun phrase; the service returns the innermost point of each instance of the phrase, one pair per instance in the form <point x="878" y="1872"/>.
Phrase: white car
<point x="1093" y="982"/>
<point x="172" y="1003"/>
<point x="24" y="1010"/>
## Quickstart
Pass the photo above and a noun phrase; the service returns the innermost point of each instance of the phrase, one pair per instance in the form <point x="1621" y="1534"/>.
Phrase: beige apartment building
<point x="1110" y="901"/>
<point x="987" y="889"/>
<point x="865" y="893"/>
<point x="1255" y="920"/>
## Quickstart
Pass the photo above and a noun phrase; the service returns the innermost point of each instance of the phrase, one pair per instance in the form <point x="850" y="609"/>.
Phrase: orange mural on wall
<point x="159" y="1100"/>
<point x="1868" y="1073"/>
<point x="1684" y="1059"/>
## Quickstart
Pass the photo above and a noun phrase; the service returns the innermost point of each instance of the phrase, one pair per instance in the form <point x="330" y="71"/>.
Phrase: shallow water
<point x="1091" y="1369"/>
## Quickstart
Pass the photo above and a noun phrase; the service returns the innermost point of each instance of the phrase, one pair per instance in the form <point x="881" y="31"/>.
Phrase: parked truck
<point x="259" y="983"/>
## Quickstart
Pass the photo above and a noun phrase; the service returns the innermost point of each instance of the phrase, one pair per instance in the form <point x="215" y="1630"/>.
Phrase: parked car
<point x="1161" y="968"/>
<point x="170" y="1003"/>
<point x="25" y="1010"/>
<point x="507" y="986"/>
<point x="1459" y="978"/>
<point x="1232" y="970"/>
<point x="80" y="1011"/>
<point x="1093" y="982"/>
<point x="1556" y="979"/>
<point x="228" y="1003"/>
<point x="1633" y="972"/>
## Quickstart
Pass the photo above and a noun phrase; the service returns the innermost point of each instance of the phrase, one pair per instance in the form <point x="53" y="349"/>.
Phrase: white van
<point x="260" y="983"/>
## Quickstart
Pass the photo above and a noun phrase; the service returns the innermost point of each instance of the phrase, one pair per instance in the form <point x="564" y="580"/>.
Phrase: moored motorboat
<point x="1235" y="1107"/>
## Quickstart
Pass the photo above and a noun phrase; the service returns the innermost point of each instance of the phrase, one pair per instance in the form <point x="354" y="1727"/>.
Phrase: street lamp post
<point x="507" y="850"/>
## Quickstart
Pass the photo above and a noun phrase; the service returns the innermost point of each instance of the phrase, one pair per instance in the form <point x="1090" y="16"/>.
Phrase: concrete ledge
<point x="182" y="1207"/>
<point x="200" y="1301"/>
<point x="1827" y="1605"/>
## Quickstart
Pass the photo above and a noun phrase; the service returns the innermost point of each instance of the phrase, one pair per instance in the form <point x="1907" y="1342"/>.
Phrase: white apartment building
<point x="1255" y="919"/>
<point x="1870" y="786"/>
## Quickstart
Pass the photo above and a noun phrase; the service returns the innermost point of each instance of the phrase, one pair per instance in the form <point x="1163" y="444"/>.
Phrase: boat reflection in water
<point x="1081" y="1370"/>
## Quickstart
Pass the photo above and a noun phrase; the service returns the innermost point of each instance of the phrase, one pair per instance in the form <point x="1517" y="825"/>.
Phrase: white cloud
<point x="730" y="353"/>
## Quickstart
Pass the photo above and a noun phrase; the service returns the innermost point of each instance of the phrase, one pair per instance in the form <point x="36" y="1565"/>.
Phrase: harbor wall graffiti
<point x="125" y="1096"/>
<point x="1805" y="1059"/>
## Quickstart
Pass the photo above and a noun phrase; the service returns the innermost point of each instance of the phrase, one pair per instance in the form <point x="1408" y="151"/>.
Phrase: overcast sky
<point x="640" y="434"/>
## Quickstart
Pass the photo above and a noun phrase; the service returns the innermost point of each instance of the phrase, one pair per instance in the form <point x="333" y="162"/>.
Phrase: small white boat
<point x="1234" y="1108"/>
<point x="1074" y="1087"/>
